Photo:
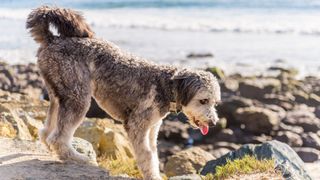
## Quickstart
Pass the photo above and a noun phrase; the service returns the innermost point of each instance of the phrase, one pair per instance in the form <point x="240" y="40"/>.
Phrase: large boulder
<point x="22" y="159"/>
<point x="257" y="120"/>
<point x="187" y="162"/>
<point x="108" y="139"/>
<point x="286" y="160"/>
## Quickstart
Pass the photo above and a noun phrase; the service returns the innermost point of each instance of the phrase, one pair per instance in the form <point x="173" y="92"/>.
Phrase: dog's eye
<point x="204" y="101"/>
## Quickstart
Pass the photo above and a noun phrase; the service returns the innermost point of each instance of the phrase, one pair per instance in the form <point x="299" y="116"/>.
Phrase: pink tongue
<point x="204" y="129"/>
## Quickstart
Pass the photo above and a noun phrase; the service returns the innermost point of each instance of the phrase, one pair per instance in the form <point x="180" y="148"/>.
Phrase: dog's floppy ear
<point x="187" y="86"/>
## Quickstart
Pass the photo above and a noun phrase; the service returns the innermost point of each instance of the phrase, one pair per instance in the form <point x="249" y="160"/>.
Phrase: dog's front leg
<point x="153" y="138"/>
<point x="147" y="162"/>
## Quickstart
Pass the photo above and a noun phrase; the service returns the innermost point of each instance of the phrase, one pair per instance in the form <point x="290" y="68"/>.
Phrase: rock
<point x="313" y="169"/>
<point x="217" y="72"/>
<point x="284" y="101"/>
<point x="229" y="106"/>
<point x="7" y="129"/>
<point x="174" y="131"/>
<point x="21" y="79"/>
<point x="165" y="150"/>
<point x="22" y="159"/>
<point x="303" y="118"/>
<point x="314" y="100"/>
<point x="295" y="129"/>
<point x="317" y="112"/>
<point x="286" y="160"/>
<point x="227" y="145"/>
<point x="229" y="85"/>
<point x="311" y="140"/>
<point x="308" y="154"/>
<point x="224" y="135"/>
<point x="108" y="139"/>
<point x="21" y="116"/>
<point x="217" y="153"/>
<point x="292" y="71"/>
<point x="257" y="88"/>
<point x="188" y="161"/>
<point x="257" y="120"/>
<point x="290" y="138"/>
<point x="186" y="177"/>
<point x="301" y="97"/>
<point x="84" y="147"/>
<point x="199" y="55"/>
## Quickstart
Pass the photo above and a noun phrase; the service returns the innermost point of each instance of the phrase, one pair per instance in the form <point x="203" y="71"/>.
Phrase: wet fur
<point x="76" y="66"/>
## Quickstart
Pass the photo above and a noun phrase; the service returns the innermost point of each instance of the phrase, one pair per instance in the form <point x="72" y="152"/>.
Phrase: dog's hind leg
<point x="70" y="114"/>
<point x="51" y="120"/>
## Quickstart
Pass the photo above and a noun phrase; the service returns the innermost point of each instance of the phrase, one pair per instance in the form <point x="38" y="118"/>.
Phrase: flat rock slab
<point x="20" y="159"/>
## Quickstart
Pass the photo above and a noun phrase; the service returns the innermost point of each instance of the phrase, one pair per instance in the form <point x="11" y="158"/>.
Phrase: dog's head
<point x="198" y="92"/>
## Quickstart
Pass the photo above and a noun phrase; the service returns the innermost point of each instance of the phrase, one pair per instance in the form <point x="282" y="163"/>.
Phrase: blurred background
<point x="241" y="35"/>
<point x="265" y="53"/>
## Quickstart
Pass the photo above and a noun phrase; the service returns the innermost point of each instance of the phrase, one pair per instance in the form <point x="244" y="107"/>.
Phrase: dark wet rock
<point x="311" y="140"/>
<point x="257" y="120"/>
<point x="257" y="88"/>
<point x="303" y="118"/>
<point x="290" y="138"/>
<point x="286" y="160"/>
<point x="308" y="154"/>
<point x="199" y="55"/>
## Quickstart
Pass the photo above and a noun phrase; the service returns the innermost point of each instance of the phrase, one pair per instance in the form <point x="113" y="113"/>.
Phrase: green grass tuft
<point x="246" y="165"/>
<point x="120" y="167"/>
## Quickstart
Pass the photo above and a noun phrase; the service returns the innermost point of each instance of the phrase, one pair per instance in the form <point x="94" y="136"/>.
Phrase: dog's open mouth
<point x="204" y="128"/>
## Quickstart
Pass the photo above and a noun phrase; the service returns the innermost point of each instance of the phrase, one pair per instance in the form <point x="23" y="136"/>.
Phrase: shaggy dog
<point x="76" y="66"/>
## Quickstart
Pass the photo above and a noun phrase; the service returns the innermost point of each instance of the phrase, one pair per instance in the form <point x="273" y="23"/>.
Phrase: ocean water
<point x="244" y="35"/>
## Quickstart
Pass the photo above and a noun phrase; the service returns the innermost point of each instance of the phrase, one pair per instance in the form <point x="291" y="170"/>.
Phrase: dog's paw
<point x="73" y="156"/>
<point x="43" y="135"/>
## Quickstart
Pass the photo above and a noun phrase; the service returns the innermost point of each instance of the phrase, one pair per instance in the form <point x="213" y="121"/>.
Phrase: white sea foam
<point x="193" y="19"/>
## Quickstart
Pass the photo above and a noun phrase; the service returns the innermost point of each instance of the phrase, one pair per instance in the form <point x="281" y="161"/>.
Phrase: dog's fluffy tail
<point x="68" y="23"/>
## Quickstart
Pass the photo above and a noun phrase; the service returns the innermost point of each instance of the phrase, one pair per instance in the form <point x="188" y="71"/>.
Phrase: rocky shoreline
<point x="254" y="110"/>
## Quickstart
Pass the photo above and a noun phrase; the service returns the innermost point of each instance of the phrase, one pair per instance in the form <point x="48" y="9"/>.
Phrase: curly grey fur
<point x="76" y="66"/>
